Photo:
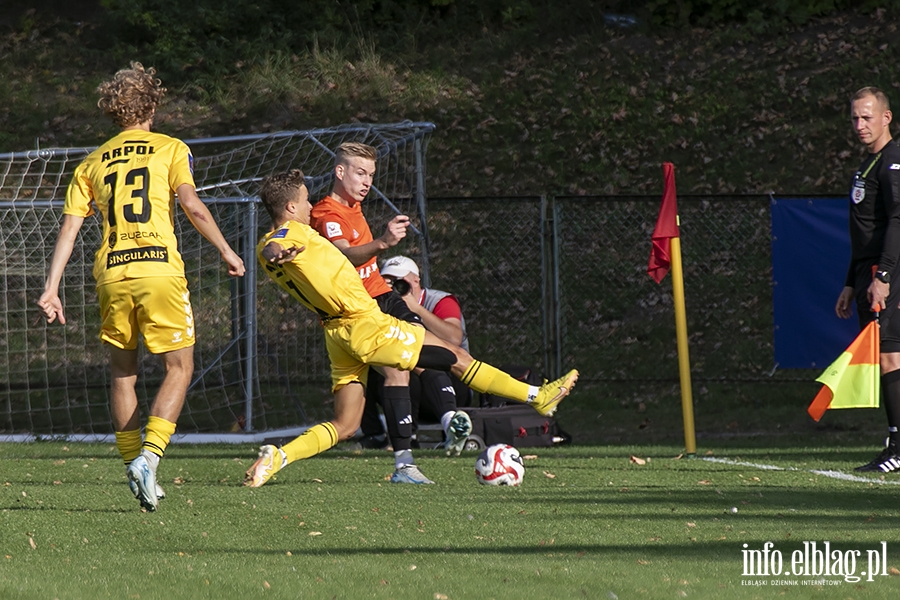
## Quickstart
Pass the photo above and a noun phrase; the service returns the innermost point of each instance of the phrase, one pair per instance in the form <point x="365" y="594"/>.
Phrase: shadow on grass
<point x="714" y="551"/>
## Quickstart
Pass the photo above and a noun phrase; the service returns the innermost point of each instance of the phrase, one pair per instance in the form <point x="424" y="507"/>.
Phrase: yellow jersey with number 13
<point x="131" y="180"/>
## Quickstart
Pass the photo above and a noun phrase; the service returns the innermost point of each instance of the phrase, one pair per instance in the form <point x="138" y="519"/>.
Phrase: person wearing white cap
<point x="440" y="311"/>
<point x="442" y="315"/>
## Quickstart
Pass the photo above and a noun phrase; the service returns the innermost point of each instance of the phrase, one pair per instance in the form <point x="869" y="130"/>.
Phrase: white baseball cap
<point x="399" y="266"/>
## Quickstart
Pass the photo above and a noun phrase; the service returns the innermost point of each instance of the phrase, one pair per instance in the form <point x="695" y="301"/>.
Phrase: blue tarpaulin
<point x="810" y="255"/>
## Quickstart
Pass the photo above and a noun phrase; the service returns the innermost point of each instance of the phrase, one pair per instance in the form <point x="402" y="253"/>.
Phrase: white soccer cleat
<point x="409" y="474"/>
<point x="143" y="477"/>
<point x="458" y="431"/>
<point x="160" y="493"/>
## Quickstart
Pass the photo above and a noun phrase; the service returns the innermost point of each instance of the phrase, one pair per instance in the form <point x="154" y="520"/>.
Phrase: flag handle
<point x="684" y="363"/>
<point x="877" y="319"/>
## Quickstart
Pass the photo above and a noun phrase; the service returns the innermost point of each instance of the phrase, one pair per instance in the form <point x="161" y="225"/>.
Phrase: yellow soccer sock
<point x="157" y="435"/>
<point x="129" y="444"/>
<point x="314" y="440"/>
<point x="482" y="377"/>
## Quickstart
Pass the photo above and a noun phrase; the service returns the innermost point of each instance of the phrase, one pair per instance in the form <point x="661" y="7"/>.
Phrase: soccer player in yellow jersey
<point x="357" y="333"/>
<point x="132" y="180"/>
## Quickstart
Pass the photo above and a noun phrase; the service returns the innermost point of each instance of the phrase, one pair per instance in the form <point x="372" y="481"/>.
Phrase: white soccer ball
<point x="499" y="464"/>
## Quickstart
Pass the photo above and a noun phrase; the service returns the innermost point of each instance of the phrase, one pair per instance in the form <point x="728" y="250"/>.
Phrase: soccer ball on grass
<point x="499" y="464"/>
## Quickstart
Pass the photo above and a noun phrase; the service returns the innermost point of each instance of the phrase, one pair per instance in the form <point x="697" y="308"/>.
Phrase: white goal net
<point x="260" y="361"/>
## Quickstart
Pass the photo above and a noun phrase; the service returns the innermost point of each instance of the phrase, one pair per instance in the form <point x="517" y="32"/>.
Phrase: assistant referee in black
<point x="875" y="243"/>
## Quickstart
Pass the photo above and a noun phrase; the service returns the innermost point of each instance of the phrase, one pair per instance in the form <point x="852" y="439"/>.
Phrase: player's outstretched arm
<point x="358" y="255"/>
<point x="203" y="221"/>
<point x="65" y="242"/>
<point x="273" y="252"/>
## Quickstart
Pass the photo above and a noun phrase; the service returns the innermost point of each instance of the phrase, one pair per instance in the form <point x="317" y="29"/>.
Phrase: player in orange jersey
<point x="339" y="218"/>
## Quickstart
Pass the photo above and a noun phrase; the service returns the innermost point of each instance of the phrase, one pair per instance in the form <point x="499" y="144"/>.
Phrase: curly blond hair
<point x="131" y="97"/>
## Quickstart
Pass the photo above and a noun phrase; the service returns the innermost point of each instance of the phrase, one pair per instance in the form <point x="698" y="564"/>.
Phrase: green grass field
<point x="588" y="522"/>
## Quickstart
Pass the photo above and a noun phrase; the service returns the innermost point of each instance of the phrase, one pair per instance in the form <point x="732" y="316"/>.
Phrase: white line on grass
<point x="832" y="474"/>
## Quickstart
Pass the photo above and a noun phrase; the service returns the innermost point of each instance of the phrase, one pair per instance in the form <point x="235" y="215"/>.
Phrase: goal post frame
<point x="36" y="181"/>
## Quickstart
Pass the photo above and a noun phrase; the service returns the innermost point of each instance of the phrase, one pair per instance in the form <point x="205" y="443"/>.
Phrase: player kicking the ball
<point x="357" y="333"/>
<point x="132" y="179"/>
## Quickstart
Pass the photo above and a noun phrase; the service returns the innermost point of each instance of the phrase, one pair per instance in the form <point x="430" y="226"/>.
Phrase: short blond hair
<point x="277" y="190"/>
<point x="871" y="90"/>
<point x="349" y="150"/>
<point x="131" y="96"/>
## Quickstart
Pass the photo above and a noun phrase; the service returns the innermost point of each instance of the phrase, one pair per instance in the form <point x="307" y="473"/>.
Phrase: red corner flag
<point x="853" y="380"/>
<point x="666" y="228"/>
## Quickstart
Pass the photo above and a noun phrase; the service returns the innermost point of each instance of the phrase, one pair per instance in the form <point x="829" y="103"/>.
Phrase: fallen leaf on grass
<point x="315" y="533"/>
<point x="530" y="457"/>
<point x="638" y="461"/>
<point x="895" y="571"/>
<point x="549" y="475"/>
<point x="32" y="544"/>
<point x="704" y="482"/>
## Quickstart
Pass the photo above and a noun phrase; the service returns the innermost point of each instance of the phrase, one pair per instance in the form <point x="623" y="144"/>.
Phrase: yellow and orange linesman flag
<point x="854" y="379"/>
<point x="666" y="228"/>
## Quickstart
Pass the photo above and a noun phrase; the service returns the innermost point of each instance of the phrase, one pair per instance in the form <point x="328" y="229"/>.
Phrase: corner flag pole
<point x="684" y="362"/>
<point x="665" y="255"/>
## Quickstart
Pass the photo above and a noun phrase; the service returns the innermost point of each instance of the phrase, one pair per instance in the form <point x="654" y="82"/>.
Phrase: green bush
<point x="212" y="38"/>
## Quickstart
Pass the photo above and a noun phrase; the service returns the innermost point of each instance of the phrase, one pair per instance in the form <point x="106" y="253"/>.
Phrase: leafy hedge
<point x="210" y="38"/>
<point x="213" y="37"/>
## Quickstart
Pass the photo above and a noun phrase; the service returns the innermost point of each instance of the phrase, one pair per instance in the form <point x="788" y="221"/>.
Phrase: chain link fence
<point x="549" y="282"/>
<point x="561" y="282"/>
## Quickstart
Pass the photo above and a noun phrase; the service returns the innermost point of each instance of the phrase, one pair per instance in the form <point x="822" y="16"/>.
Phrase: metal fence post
<point x="423" y="213"/>
<point x="550" y="286"/>
<point x="250" y="373"/>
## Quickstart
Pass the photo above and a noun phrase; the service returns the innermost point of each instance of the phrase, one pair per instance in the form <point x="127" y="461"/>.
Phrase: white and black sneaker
<point x="887" y="461"/>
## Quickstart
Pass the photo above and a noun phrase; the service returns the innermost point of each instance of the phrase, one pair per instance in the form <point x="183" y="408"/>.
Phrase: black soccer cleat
<point x="887" y="461"/>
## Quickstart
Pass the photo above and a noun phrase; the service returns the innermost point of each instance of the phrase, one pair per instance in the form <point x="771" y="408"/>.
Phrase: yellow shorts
<point x="158" y="307"/>
<point x="375" y="339"/>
